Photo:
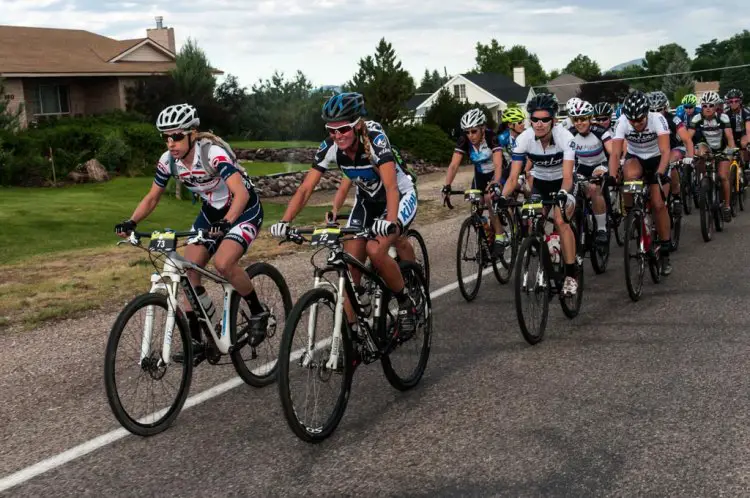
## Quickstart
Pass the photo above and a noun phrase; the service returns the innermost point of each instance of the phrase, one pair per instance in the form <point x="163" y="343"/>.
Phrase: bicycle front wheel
<point x="531" y="290"/>
<point x="469" y="260"/>
<point x="137" y="340"/>
<point x="314" y="394"/>
<point x="635" y="258"/>
<point x="420" y="253"/>
<point x="705" y="204"/>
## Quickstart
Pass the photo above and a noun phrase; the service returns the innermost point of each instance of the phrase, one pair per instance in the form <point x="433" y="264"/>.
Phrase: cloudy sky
<point x="326" y="38"/>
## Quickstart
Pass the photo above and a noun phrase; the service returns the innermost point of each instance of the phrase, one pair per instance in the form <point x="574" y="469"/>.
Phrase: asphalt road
<point x="628" y="399"/>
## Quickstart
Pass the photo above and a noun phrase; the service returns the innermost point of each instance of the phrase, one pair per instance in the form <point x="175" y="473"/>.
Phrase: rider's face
<point x="343" y="133"/>
<point x="178" y="142"/>
<point x="475" y="134"/>
<point x="541" y="122"/>
<point x="582" y="124"/>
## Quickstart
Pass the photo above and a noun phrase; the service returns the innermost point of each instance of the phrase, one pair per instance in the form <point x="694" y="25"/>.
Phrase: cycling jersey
<point x="507" y="142"/>
<point x="710" y="131"/>
<point x="547" y="163"/>
<point x="737" y="121"/>
<point x="481" y="156"/>
<point x="680" y="113"/>
<point x="675" y="123"/>
<point x="212" y="189"/>
<point x="363" y="170"/>
<point x="643" y="144"/>
<point x="589" y="148"/>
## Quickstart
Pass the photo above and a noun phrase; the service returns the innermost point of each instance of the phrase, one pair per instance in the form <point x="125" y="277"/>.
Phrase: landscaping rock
<point x="96" y="172"/>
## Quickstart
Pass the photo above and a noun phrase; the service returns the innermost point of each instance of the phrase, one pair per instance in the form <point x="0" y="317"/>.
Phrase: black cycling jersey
<point x="737" y="121"/>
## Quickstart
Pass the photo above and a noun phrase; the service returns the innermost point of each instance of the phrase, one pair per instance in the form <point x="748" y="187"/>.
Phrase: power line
<point x="643" y="77"/>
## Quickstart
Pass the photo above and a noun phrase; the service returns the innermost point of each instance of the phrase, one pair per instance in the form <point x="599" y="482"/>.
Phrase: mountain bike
<point x="737" y="185"/>
<point x="587" y="227"/>
<point x="675" y="222"/>
<point x="710" y="198"/>
<point x="149" y="359"/>
<point x="541" y="251"/>
<point x="319" y="347"/>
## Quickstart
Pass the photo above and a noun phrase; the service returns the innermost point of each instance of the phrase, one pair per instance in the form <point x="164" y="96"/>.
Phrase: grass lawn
<point x="249" y="144"/>
<point x="260" y="168"/>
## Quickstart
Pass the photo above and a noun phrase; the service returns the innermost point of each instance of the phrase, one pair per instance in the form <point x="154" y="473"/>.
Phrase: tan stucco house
<point x="55" y="72"/>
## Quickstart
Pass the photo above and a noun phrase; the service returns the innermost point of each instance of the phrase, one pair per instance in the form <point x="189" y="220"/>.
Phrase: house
<point x="68" y="72"/>
<point x="702" y="87"/>
<point x="565" y="87"/>
<point x="493" y="90"/>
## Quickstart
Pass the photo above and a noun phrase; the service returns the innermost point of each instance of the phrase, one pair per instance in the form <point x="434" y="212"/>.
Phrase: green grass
<point x="250" y="144"/>
<point x="260" y="168"/>
<point x="36" y="221"/>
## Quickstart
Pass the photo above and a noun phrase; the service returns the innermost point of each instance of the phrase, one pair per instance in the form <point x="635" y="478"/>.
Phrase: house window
<point x="459" y="91"/>
<point x="53" y="99"/>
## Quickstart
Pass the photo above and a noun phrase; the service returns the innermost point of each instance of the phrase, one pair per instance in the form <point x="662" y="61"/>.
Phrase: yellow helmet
<point x="513" y="115"/>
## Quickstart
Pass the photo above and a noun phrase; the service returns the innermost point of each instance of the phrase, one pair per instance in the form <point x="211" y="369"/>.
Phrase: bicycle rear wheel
<point x="635" y="259"/>
<point x="305" y="413"/>
<point x="571" y="306"/>
<point x="502" y="266"/>
<point x="469" y="260"/>
<point x="675" y="222"/>
<point x="532" y="290"/>
<point x="143" y="364"/>
<point x="599" y="253"/>
<point x="686" y="191"/>
<point x="705" y="204"/>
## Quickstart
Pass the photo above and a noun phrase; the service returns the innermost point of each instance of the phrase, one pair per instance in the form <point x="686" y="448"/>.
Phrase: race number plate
<point x="325" y="236"/>
<point x="162" y="242"/>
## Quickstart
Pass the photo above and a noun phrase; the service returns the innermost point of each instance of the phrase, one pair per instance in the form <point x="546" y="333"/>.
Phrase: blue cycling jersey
<point x="680" y="112"/>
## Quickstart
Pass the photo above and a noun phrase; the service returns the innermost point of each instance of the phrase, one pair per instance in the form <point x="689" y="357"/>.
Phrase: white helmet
<point x="581" y="108"/>
<point x="180" y="116"/>
<point x="472" y="119"/>
<point x="710" y="98"/>
<point x="571" y="103"/>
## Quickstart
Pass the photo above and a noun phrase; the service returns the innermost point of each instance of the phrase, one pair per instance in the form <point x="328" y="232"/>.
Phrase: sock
<point x="570" y="270"/>
<point x="253" y="302"/>
<point x="665" y="247"/>
<point x="601" y="222"/>
<point x="195" y="330"/>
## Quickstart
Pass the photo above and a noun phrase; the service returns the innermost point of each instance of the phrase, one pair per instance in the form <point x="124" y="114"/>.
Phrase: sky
<point x="326" y="38"/>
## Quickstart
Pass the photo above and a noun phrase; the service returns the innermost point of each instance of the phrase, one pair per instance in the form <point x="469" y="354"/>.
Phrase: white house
<point x="493" y="90"/>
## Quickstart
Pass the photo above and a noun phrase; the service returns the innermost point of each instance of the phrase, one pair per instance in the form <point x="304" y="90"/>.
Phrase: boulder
<point x="95" y="171"/>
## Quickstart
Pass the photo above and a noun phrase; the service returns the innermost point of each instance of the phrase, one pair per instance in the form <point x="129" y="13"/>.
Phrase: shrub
<point x="114" y="153"/>
<point x="426" y="142"/>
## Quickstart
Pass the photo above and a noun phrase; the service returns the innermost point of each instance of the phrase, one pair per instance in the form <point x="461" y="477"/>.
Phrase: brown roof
<point x="706" y="86"/>
<point x="52" y="51"/>
<point x="570" y="84"/>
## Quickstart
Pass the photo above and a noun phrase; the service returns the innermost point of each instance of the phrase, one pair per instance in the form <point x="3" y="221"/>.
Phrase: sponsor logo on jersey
<point x="323" y="146"/>
<point x="249" y="231"/>
<point x="218" y="160"/>
<point x="380" y="141"/>
<point x="409" y="207"/>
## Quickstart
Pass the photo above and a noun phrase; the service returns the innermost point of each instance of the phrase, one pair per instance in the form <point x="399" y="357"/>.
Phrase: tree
<point x="431" y="82"/>
<point x="679" y="81"/>
<point x="493" y="58"/>
<point x="150" y="95"/>
<point x="657" y="62"/>
<point x="384" y="84"/>
<point x="233" y="99"/>
<point x="554" y="74"/>
<point x="612" y="92"/>
<point x="717" y="53"/>
<point x="193" y="75"/>
<point x="583" y="67"/>
<point x="735" y="78"/>
<point x="634" y="71"/>
<point x="446" y="111"/>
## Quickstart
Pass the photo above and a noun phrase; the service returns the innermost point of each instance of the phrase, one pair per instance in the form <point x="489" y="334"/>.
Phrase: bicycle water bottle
<point x="553" y="243"/>
<point x="206" y="302"/>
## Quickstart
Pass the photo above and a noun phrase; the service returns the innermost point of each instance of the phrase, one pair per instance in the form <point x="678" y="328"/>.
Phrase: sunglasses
<point x="343" y="129"/>
<point x="543" y="120"/>
<point x="638" y="120"/>
<point x="734" y="101"/>
<point x="581" y="119"/>
<point x="709" y="106"/>
<point x="688" y="107"/>
<point x="600" y="119"/>
<point x="473" y="131"/>
<point x="175" y="137"/>
<point x="657" y="109"/>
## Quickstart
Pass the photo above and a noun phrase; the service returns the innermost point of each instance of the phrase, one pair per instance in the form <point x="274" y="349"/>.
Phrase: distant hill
<point x="634" y="62"/>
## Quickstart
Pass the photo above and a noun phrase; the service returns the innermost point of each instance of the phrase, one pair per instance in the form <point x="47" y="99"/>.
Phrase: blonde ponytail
<point x="365" y="138"/>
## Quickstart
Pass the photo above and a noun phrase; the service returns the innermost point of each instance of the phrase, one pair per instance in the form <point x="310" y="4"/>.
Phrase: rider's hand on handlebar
<point x="219" y="228"/>
<point x="382" y="228"/>
<point x="331" y="217"/>
<point x="123" y="229"/>
<point x="280" y="229"/>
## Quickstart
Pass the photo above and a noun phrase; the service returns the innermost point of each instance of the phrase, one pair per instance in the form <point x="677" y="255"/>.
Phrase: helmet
<point x="343" y="107"/>
<point x="636" y="105"/>
<point x="180" y="116"/>
<point x="602" y="109"/>
<point x="581" y="108"/>
<point x="514" y="115"/>
<point x="473" y="118"/>
<point x="658" y="100"/>
<point x="689" y="99"/>
<point x="543" y="102"/>
<point x="734" y="94"/>
<point x="710" y="98"/>
<point x="571" y="103"/>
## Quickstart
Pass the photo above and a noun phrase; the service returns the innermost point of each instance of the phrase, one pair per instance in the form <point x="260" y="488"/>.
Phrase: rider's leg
<point x="355" y="248"/>
<point x="675" y="156"/>
<point x="568" y="246"/>
<point x="631" y="170"/>
<point x="661" y="217"/>
<point x="724" y="177"/>
<point x="599" y="206"/>
<point x="199" y="255"/>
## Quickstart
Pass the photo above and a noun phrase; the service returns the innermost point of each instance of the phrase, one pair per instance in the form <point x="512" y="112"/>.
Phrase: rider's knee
<point x="223" y="265"/>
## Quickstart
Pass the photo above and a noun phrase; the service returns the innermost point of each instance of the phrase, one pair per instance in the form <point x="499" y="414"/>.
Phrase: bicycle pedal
<point x="198" y="359"/>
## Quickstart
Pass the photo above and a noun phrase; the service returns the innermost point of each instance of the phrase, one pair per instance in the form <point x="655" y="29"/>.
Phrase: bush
<point x="114" y="154"/>
<point x="426" y="142"/>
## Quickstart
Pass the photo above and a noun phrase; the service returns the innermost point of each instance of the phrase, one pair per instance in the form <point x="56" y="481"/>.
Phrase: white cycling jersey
<point x="643" y="144"/>
<point x="547" y="163"/>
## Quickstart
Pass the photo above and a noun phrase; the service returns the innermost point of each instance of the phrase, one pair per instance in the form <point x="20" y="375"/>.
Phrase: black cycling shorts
<point x="650" y="166"/>
<point x="366" y="210"/>
<point x="244" y="230"/>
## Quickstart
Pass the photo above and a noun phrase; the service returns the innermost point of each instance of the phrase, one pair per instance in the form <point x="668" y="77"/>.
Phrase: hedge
<point x="426" y="142"/>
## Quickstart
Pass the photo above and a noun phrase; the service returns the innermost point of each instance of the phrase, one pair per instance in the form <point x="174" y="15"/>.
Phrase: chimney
<point x="161" y="35"/>
<point x="519" y="76"/>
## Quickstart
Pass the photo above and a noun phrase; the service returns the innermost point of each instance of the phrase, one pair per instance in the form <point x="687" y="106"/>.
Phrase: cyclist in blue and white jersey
<point x="479" y="143"/>
<point x="688" y="108"/>
<point x="231" y="208"/>
<point x="647" y="136"/>
<point x="550" y="150"/>
<point x="515" y="120"/>
<point x="592" y="147"/>
<point x="385" y="195"/>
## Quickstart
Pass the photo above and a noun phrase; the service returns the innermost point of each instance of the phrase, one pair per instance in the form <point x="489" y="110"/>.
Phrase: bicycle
<point x="478" y="227"/>
<point x="710" y="199"/>
<point x="675" y="222"/>
<point x="549" y="274"/>
<point x="228" y="337"/>
<point x="641" y="229"/>
<point x="587" y="227"/>
<point x="736" y="184"/>
<point x="333" y="360"/>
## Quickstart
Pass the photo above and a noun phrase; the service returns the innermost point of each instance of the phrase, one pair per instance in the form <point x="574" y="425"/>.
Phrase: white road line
<point x="76" y="452"/>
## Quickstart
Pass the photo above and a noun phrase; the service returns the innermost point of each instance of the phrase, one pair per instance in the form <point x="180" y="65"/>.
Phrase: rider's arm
<point x="730" y="138"/>
<point x="240" y="196"/>
<point x="664" y="150"/>
<point x="614" y="156"/>
<point x="608" y="147"/>
<point x="341" y="193"/>
<point x="567" y="183"/>
<point x="148" y="203"/>
<point x="687" y="139"/>
<point x="497" y="160"/>
<point x="302" y="195"/>
<point x="450" y="175"/>
<point x="392" y="196"/>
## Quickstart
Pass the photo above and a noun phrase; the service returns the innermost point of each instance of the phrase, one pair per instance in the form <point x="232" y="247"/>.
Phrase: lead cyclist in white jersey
<point x="231" y="209"/>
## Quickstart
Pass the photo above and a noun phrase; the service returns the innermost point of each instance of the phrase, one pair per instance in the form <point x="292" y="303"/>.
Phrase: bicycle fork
<point x="165" y="282"/>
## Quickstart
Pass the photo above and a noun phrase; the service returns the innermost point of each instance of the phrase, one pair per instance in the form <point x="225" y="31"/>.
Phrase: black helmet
<point x="543" y="102"/>
<point x="734" y="93"/>
<point x="602" y="109"/>
<point x="636" y="105"/>
<point x="344" y="106"/>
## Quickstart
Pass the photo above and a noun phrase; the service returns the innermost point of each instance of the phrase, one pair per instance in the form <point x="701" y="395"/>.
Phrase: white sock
<point x="601" y="222"/>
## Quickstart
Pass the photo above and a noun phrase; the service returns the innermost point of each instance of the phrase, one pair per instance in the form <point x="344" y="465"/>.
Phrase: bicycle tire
<point x="706" y="215"/>
<point x="741" y="197"/>
<point x="240" y="367"/>
<point x="599" y="260"/>
<point x="718" y="206"/>
<point x="525" y="253"/>
<point x="499" y="264"/>
<point x="414" y="235"/>
<point x="675" y="223"/>
<point x="633" y="231"/>
<point x="467" y="228"/>
<point x="130" y="423"/>
<point x="400" y="383"/>
<point x="572" y="311"/>
<point x="733" y="190"/>
<point x="686" y="192"/>
<point x="310" y="297"/>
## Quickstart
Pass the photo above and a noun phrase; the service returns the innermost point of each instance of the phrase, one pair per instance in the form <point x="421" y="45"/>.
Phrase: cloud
<point x="326" y="38"/>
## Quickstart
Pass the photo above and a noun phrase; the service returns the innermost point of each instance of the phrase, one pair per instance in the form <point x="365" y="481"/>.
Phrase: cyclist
<point x="592" y="147"/>
<point x="567" y="123"/>
<point x="712" y="132"/>
<point x="739" y="121"/>
<point x="647" y="136"/>
<point x="603" y="116"/>
<point x="688" y="108"/>
<point x="481" y="146"/>
<point x="385" y="195"/>
<point x="230" y="208"/>
<point x="515" y="120"/>
<point x="679" y="141"/>
<point x="550" y="150"/>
